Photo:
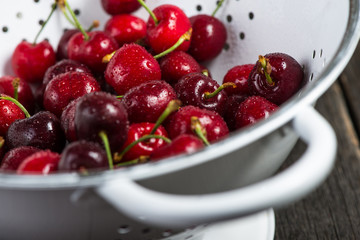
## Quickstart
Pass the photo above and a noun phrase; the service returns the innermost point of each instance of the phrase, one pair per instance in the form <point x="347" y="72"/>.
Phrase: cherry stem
<point x="266" y="67"/>
<point x="185" y="37"/>
<point x="53" y="7"/>
<point x="208" y="95"/>
<point x="2" y="142"/>
<point x="105" y="140"/>
<point x="172" y="106"/>
<point x="120" y="97"/>
<point x="17" y="103"/>
<point x="61" y="5"/>
<point x="199" y="130"/>
<point x="141" y="159"/>
<point x="77" y="23"/>
<point x="15" y="84"/>
<point x="95" y="24"/>
<point x="205" y="72"/>
<point x="142" y="3"/>
<point x="108" y="57"/>
<point x="118" y="157"/>
<point x="83" y="171"/>
<point x="217" y="7"/>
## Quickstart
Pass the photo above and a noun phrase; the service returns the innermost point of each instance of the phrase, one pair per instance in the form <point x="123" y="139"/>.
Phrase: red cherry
<point x="208" y="37"/>
<point x="252" y="110"/>
<point x="25" y="95"/>
<point x="9" y="113"/>
<point x="68" y="121"/>
<point x="180" y="123"/>
<point x="238" y="75"/>
<point x="30" y="61"/>
<point x="172" y="24"/>
<point x="232" y="105"/>
<point x="126" y="28"/>
<point x="62" y="48"/>
<point x="176" y="65"/>
<point x="276" y="77"/>
<point x="144" y="148"/>
<point x="66" y="87"/>
<point x="16" y="156"/>
<point x="183" y="144"/>
<point x="42" y="162"/>
<point x="92" y="50"/>
<point x="146" y="102"/>
<point x="114" y="7"/>
<point x="130" y="66"/>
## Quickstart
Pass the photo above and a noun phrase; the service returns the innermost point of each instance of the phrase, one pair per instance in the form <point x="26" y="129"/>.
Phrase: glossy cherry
<point x="62" y="47"/>
<point x="83" y="155"/>
<point x="9" y="113"/>
<point x="146" y="102"/>
<point x="130" y="66"/>
<point x="238" y="75"/>
<point x="115" y="7"/>
<point x="64" y="88"/>
<point x="42" y="162"/>
<point x="276" y="77"/>
<point x="67" y="121"/>
<point x="16" y="156"/>
<point x="231" y="109"/>
<point x="252" y="110"/>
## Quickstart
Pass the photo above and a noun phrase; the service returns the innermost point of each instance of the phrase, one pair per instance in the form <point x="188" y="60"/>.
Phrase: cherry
<point x="16" y="156"/>
<point x="66" y="87"/>
<point x="67" y="120"/>
<point x="252" y="110"/>
<point x="62" y="48"/>
<point x="12" y="86"/>
<point x="130" y="66"/>
<point x="276" y="76"/>
<point x="180" y="123"/>
<point x="41" y="162"/>
<point x="146" y="102"/>
<point x="42" y="130"/>
<point x="183" y="144"/>
<point x="98" y="112"/>
<point x="166" y="24"/>
<point x="125" y="28"/>
<point x="143" y="148"/>
<point x="231" y="109"/>
<point x="82" y="155"/>
<point x="114" y="7"/>
<point x="192" y="89"/>
<point x="238" y="75"/>
<point x="9" y="113"/>
<point x="176" y="65"/>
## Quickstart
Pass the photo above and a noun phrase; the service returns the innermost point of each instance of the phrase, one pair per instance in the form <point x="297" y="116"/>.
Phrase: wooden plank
<point x="332" y="211"/>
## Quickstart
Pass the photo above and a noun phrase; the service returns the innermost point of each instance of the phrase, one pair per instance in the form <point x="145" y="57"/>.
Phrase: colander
<point x="230" y="179"/>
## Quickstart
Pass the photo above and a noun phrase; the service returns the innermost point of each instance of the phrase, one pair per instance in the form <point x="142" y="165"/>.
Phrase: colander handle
<point x="180" y="211"/>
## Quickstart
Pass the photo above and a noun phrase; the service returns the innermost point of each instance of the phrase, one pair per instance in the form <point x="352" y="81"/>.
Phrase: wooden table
<point x="333" y="210"/>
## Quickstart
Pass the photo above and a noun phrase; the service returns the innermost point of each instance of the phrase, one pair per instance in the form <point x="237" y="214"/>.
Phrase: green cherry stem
<point x="77" y="23"/>
<point x="15" y="84"/>
<point x="141" y="159"/>
<point x="62" y="7"/>
<point x="217" y="7"/>
<point x="208" y="95"/>
<point x="142" y="3"/>
<point x="53" y="7"/>
<point x="119" y="156"/>
<point x="266" y="67"/>
<point x="105" y="140"/>
<point x="205" y="72"/>
<point x="172" y="106"/>
<point x="185" y="37"/>
<point x="2" y="142"/>
<point x="95" y="24"/>
<point x="199" y="130"/>
<point x="17" y="103"/>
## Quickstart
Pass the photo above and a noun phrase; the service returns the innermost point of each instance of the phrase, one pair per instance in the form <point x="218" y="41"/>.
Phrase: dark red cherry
<point x="114" y="7"/>
<point x="146" y="102"/>
<point x="172" y="24"/>
<point x="25" y="95"/>
<point x="276" y="77"/>
<point x="83" y="155"/>
<point x="191" y="90"/>
<point x="30" y="61"/>
<point x="231" y="109"/>
<point x="42" y="130"/>
<point x="252" y="110"/>
<point x="92" y="50"/>
<point x="180" y="123"/>
<point x="208" y="37"/>
<point x="177" y="64"/>
<point x="183" y="144"/>
<point x="62" y="48"/>
<point x="16" y="156"/>
<point x="238" y="75"/>
<point x="130" y="66"/>
<point x="67" y="120"/>
<point x="144" y="148"/>
<point x="9" y="113"/>
<point x="42" y="162"/>
<point x="101" y="112"/>
<point x="126" y="28"/>
<point x="64" y="88"/>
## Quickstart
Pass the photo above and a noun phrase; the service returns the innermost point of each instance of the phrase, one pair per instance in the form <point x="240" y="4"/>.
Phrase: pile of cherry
<point x="135" y="92"/>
